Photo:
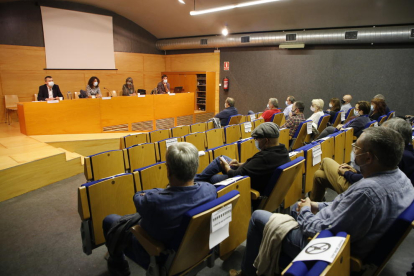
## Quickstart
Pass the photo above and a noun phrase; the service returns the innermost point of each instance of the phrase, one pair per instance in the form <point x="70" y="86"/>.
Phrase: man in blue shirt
<point x="365" y="211"/>
<point x="229" y="110"/>
<point x="161" y="210"/>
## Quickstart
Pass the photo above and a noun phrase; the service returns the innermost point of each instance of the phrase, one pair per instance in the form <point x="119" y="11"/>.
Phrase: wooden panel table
<point x="95" y="115"/>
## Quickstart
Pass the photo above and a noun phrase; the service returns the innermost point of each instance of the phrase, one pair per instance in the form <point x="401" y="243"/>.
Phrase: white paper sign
<point x="171" y="94"/>
<point x="323" y="249"/>
<point x="141" y="96"/>
<point x="219" y="225"/>
<point x="293" y="153"/>
<point x="201" y="153"/>
<point x="228" y="181"/>
<point x="309" y="127"/>
<point x="252" y="117"/>
<point x="375" y="124"/>
<point x="316" y="154"/>
<point x="342" y="116"/>
<point x="170" y="142"/>
<point x="106" y="98"/>
<point x="248" y="127"/>
<point x="54" y="101"/>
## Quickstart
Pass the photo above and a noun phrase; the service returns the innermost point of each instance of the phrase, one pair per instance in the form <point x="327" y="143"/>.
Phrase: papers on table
<point x="309" y="127"/>
<point x="228" y="181"/>
<point x="316" y="154"/>
<point x="248" y="127"/>
<point x="141" y="96"/>
<point x="171" y="94"/>
<point x="323" y="249"/>
<point x="219" y="225"/>
<point x="170" y="142"/>
<point x="342" y="116"/>
<point x="53" y="101"/>
<point x="106" y="98"/>
<point x="252" y="117"/>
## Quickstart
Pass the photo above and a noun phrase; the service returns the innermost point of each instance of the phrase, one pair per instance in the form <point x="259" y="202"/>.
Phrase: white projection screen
<point x="77" y="40"/>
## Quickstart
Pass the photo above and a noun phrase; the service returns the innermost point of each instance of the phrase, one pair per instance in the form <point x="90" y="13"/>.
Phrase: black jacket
<point x="44" y="94"/>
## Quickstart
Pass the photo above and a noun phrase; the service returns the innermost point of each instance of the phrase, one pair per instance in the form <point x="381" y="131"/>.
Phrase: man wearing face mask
<point x="163" y="87"/>
<point x="229" y="110"/>
<point x="295" y="118"/>
<point x="272" y="108"/>
<point x="346" y="103"/>
<point x="259" y="167"/>
<point x="289" y="103"/>
<point x="49" y="91"/>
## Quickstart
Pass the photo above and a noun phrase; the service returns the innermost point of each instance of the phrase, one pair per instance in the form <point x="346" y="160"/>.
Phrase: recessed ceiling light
<point x="229" y="7"/>
<point x="181" y="1"/>
<point x="225" y="32"/>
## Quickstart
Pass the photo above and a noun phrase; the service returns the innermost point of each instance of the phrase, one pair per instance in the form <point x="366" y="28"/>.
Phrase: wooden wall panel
<point x="22" y="58"/>
<point x="129" y="62"/>
<point x="151" y="79"/>
<point x="154" y="63"/>
<point x="21" y="83"/>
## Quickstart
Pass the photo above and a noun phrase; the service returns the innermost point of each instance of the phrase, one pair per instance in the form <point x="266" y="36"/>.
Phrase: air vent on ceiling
<point x="290" y="37"/>
<point x="245" y="39"/>
<point x="351" y="35"/>
<point x="412" y="33"/>
<point x="203" y="41"/>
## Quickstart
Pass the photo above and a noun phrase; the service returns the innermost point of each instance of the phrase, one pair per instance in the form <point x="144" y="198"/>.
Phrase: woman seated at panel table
<point x="377" y="108"/>
<point x="128" y="88"/>
<point x="93" y="90"/>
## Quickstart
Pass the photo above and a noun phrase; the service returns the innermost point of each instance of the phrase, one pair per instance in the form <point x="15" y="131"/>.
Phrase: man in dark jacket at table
<point x="229" y="110"/>
<point x="49" y="91"/>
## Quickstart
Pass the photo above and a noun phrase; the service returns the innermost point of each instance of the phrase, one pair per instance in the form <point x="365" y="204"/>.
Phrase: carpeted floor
<point x="39" y="235"/>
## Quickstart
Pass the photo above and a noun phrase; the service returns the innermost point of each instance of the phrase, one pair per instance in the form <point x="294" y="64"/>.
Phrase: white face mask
<point x="286" y="103"/>
<point x="356" y="113"/>
<point x="95" y="83"/>
<point x="129" y="83"/>
<point x="268" y="106"/>
<point x="165" y="81"/>
<point x="330" y="105"/>
<point x="312" y="109"/>
<point x="51" y="83"/>
<point x="372" y="107"/>
<point x="256" y="143"/>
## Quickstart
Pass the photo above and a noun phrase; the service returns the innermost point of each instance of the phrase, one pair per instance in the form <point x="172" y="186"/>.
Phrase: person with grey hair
<point x="259" y="167"/>
<point x="317" y="109"/>
<point x="160" y="210"/>
<point x="272" y="108"/>
<point x="365" y="211"/>
<point x="128" y="88"/>
<point x="229" y="110"/>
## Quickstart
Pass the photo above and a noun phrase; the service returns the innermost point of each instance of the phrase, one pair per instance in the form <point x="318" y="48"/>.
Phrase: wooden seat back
<point x="214" y="137"/>
<point x="198" y="139"/>
<point x="139" y="156"/>
<point x="232" y="133"/>
<point x="158" y="135"/>
<point x="104" y="164"/>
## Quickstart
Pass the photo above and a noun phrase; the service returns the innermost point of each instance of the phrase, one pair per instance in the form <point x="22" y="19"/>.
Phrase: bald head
<point x="347" y="98"/>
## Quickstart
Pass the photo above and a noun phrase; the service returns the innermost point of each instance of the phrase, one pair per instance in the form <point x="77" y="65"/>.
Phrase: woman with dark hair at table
<point x="128" y="88"/>
<point x="93" y="88"/>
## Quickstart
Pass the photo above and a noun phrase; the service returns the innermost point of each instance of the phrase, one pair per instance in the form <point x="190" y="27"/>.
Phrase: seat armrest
<point x="356" y="264"/>
<point x="254" y="194"/>
<point x="153" y="247"/>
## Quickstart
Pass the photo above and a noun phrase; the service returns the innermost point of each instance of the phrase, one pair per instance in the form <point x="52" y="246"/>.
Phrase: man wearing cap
<point x="259" y="167"/>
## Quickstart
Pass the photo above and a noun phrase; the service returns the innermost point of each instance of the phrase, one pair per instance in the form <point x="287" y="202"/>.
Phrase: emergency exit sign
<point x="226" y="65"/>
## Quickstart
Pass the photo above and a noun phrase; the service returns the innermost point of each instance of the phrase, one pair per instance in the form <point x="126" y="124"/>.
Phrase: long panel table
<point x="101" y="115"/>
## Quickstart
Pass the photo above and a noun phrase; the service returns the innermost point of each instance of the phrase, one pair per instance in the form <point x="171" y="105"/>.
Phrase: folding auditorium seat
<point x="189" y="252"/>
<point x="214" y="137"/>
<point x="100" y="198"/>
<point x="278" y="185"/>
<point x="203" y="160"/>
<point x="163" y="145"/>
<point x="139" y="156"/>
<point x="150" y="177"/>
<point x="229" y="150"/>
<point x="246" y="130"/>
<point x="349" y="114"/>
<point x="336" y="120"/>
<point x="198" y="139"/>
<point x="232" y="133"/>
<point x="209" y="125"/>
<point x="349" y="138"/>
<point x="247" y="149"/>
<point x="104" y="164"/>
<point x="284" y="137"/>
<point x="257" y="122"/>
<point x="134" y="139"/>
<point x="372" y="124"/>
<point x="180" y="131"/>
<point x="278" y="118"/>
<point x="258" y="114"/>
<point x="198" y="127"/>
<point x="158" y="135"/>
<point x="390" y="115"/>
<point x="234" y="120"/>
<point x="295" y="191"/>
<point x="310" y="166"/>
<point x="382" y="119"/>
<point x="300" y="135"/>
<point x="323" y="121"/>
<point x="339" y="267"/>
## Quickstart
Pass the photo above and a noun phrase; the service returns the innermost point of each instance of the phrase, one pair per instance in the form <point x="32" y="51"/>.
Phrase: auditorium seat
<point x="100" y="198"/>
<point x="327" y="147"/>
<point x="284" y="137"/>
<point x="323" y="121"/>
<point x="339" y="151"/>
<point x="180" y="131"/>
<point x="258" y="114"/>
<point x="150" y="177"/>
<point x="279" y="185"/>
<point x="257" y="122"/>
<point x="310" y="166"/>
<point x="198" y="139"/>
<point x="104" y="164"/>
<point x="10" y="103"/>
<point x="382" y="119"/>
<point x="163" y="145"/>
<point x="139" y="156"/>
<point x="234" y="120"/>
<point x="336" y="118"/>
<point x="247" y="149"/>
<point x="189" y="252"/>
<point x="295" y="191"/>
<point x="133" y="139"/>
<point x="203" y="160"/>
<point x="209" y="125"/>
<point x="371" y="124"/>
<point x="300" y="135"/>
<point x="229" y="150"/>
<point x="390" y="115"/>
<point x="349" y="134"/>
<point x="246" y="130"/>
<point x="349" y="114"/>
<point x="158" y="135"/>
<point x="198" y="127"/>
<point x="232" y="133"/>
<point x="214" y="137"/>
<point x="278" y="118"/>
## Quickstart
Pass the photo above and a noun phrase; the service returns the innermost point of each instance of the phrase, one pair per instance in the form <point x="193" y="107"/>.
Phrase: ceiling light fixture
<point x="241" y="5"/>
<point x="181" y="1"/>
<point x="225" y="32"/>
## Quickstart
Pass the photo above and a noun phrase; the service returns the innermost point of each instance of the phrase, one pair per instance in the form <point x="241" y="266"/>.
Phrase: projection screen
<point x="77" y="40"/>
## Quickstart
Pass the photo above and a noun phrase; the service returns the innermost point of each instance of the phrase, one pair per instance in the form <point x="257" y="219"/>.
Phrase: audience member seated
<point x="346" y="103"/>
<point x="317" y="109"/>
<point x="295" y="118"/>
<point x="163" y="87"/>
<point x="229" y="110"/>
<point x="340" y="177"/>
<point x="334" y="107"/>
<point x="365" y="211"/>
<point x="289" y="103"/>
<point x="272" y="108"/>
<point x="260" y="167"/>
<point x="381" y="97"/>
<point x="358" y="123"/>
<point x="93" y="90"/>
<point x="377" y="109"/>
<point x="128" y="88"/>
<point x="160" y="210"/>
<point x="49" y="91"/>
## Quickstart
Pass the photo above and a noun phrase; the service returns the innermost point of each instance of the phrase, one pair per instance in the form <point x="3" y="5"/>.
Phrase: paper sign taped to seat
<point x="170" y="142"/>
<point x="228" y="181"/>
<point x="309" y="127"/>
<point x="316" y="154"/>
<point x="248" y="127"/>
<point x="252" y="117"/>
<point x="323" y="249"/>
<point x="342" y="116"/>
<point x="219" y="225"/>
